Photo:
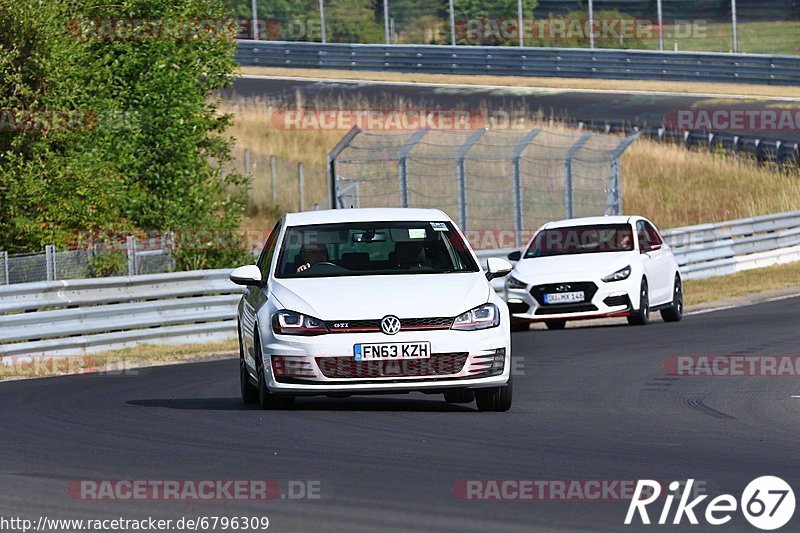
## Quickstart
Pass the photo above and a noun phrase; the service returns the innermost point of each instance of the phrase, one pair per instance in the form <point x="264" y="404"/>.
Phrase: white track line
<point x="528" y="89"/>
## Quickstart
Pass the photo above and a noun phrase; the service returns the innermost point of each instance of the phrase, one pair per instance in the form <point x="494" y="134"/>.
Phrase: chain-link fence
<point x="486" y="180"/>
<point x="129" y="258"/>
<point x="751" y="26"/>
<point x="278" y="185"/>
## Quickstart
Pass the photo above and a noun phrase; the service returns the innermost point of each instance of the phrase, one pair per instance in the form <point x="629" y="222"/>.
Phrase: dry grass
<point x="677" y="187"/>
<point x="118" y="362"/>
<point x="665" y="182"/>
<point x="756" y="91"/>
<point x="741" y="283"/>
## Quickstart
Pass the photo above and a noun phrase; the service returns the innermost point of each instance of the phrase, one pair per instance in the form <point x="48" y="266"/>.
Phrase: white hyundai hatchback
<point x="364" y="301"/>
<point x="594" y="267"/>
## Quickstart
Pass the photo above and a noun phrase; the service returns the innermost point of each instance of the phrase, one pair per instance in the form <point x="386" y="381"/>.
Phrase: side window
<point x="265" y="260"/>
<point x="653" y="238"/>
<point x="641" y="236"/>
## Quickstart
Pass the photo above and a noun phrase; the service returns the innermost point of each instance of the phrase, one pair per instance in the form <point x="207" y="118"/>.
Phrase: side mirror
<point x="497" y="268"/>
<point x="515" y="255"/>
<point x="248" y="275"/>
<point x="654" y="247"/>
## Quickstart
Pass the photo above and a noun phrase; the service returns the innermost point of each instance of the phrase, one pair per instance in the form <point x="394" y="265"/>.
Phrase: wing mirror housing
<point x="516" y="255"/>
<point x="497" y="268"/>
<point x="248" y="275"/>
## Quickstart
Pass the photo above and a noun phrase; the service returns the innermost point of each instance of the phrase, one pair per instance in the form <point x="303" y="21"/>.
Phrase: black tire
<point x="459" y="396"/>
<point x="641" y="316"/>
<point x="248" y="390"/>
<point x="520" y="325"/>
<point x="266" y="399"/>
<point x="674" y="313"/>
<point x="555" y="324"/>
<point x="495" y="399"/>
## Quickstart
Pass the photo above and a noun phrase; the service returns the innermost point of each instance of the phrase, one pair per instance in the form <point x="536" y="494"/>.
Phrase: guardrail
<point x="523" y="61"/>
<point x="82" y="316"/>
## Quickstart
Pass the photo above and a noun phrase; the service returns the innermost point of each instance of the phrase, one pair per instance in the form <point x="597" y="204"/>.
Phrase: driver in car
<point x="311" y="254"/>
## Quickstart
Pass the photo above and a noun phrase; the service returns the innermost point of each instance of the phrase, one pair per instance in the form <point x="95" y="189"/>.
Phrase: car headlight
<point x="514" y="283"/>
<point x="619" y="275"/>
<point x="291" y="323"/>
<point x="483" y="317"/>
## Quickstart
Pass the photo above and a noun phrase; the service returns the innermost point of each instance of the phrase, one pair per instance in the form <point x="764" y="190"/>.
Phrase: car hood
<point x="601" y="264"/>
<point x="373" y="297"/>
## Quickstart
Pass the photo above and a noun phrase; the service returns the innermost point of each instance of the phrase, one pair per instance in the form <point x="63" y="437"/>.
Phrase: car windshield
<point x="373" y="248"/>
<point x="582" y="240"/>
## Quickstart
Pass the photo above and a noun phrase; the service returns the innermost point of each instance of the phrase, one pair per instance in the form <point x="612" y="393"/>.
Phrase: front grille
<point x="406" y="324"/>
<point x="441" y="364"/>
<point x="616" y="301"/>
<point x="589" y="289"/>
<point x="565" y="308"/>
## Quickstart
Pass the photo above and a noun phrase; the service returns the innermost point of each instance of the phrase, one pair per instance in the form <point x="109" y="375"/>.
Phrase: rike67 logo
<point x="767" y="503"/>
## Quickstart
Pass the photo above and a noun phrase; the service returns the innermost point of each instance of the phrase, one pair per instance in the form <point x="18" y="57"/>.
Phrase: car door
<point x="659" y="264"/>
<point x="254" y="298"/>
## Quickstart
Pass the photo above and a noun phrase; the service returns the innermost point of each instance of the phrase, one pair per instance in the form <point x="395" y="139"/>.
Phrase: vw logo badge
<point x="390" y="325"/>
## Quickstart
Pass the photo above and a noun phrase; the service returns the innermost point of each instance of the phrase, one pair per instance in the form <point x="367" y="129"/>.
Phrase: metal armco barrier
<point x="81" y="316"/>
<point x="517" y="61"/>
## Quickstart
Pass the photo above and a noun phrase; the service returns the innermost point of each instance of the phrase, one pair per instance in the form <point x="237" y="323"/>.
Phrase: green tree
<point x="149" y="143"/>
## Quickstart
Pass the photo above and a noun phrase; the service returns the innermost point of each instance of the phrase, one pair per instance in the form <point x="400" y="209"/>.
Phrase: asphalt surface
<point x="590" y="403"/>
<point x="638" y="108"/>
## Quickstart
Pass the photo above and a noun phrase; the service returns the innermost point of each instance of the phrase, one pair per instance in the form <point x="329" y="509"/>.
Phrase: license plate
<point x="392" y="351"/>
<point x="564" y="297"/>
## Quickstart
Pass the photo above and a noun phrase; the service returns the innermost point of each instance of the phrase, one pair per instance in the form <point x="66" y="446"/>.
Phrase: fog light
<point x="291" y="366"/>
<point x="499" y="362"/>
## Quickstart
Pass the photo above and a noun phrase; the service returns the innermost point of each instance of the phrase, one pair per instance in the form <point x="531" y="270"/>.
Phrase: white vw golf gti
<point x="591" y="268"/>
<point x="362" y="301"/>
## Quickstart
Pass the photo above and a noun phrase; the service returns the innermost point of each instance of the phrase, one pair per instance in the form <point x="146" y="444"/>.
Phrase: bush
<point x="146" y="148"/>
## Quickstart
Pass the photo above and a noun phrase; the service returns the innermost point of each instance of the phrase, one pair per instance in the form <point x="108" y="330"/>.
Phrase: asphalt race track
<point x="629" y="107"/>
<point x="591" y="403"/>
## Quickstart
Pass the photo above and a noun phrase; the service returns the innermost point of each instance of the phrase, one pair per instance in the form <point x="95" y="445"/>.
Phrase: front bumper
<point x="325" y="364"/>
<point x="602" y="299"/>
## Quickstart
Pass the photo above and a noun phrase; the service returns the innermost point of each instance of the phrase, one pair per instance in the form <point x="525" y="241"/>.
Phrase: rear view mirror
<point x="516" y="255"/>
<point x="497" y="268"/>
<point x="248" y="275"/>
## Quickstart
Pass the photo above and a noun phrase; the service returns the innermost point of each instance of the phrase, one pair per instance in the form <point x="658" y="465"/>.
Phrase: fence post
<point x="300" y="183"/>
<point x="569" y="188"/>
<point x="515" y="157"/>
<point x="461" y="175"/>
<point x="254" y="7"/>
<point x="322" y="21"/>
<point x="386" y="21"/>
<point x="49" y="252"/>
<point x="247" y="162"/>
<point x="6" y="275"/>
<point x="273" y="161"/>
<point x="130" y="244"/>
